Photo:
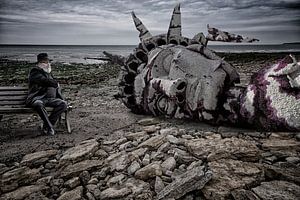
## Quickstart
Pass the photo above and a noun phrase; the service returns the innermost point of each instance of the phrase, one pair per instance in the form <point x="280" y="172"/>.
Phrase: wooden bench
<point x="12" y="101"/>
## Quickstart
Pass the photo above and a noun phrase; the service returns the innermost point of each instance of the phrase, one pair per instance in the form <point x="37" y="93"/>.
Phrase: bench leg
<point x="67" y="122"/>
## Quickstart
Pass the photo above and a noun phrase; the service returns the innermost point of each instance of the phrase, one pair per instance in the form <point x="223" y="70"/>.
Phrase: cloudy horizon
<point x="99" y="22"/>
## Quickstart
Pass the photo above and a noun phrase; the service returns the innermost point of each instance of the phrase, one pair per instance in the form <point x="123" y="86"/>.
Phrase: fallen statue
<point x="178" y="77"/>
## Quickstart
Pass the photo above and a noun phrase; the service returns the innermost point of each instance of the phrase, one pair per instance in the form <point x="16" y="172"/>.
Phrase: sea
<point x="68" y="54"/>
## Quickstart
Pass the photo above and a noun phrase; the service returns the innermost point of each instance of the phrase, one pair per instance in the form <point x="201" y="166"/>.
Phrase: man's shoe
<point x="51" y="131"/>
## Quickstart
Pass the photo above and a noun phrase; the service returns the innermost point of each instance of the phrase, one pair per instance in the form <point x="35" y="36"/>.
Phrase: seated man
<point x="44" y="92"/>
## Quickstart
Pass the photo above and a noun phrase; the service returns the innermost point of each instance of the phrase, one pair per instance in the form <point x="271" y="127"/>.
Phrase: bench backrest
<point x="13" y="96"/>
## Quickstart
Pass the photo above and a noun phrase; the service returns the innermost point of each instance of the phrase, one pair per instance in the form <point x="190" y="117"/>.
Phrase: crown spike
<point x="175" y="23"/>
<point x="144" y="33"/>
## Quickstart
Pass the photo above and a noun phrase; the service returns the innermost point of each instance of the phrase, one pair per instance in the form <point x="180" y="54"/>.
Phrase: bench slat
<point x="13" y="93"/>
<point x="11" y="98"/>
<point x="12" y="88"/>
<point x="10" y="110"/>
<point x="3" y="103"/>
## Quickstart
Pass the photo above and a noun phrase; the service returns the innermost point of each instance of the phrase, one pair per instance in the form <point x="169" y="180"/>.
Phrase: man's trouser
<point x="59" y="106"/>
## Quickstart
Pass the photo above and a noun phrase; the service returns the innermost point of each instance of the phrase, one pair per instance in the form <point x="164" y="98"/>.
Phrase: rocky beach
<point x="115" y="154"/>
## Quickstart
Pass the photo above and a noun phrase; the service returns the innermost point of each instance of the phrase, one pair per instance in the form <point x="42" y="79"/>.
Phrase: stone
<point x="153" y="142"/>
<point x="146" y="160"/>
<point x="135" y="136"/>
<point x="38" y="158"/>
<point x="120" y="141"/>
<point x="134" y="166"/>
<point x="294" y="160"/>
<point x="116" y="180"/>
<point x="194" y="164"/>
<point x="229" y="175"/>
<point x="215" y="149"/>
<point x="164" y="147"/>
<point x="44" y="180"/>
<point x="84" y="177"/>
<point x="148" y="121"/>
<point x="139" y="152"/>
<point x="159" y="185"/>
<point x="90" y="196"/>
<point x="12" y="179"/>
<point x="84" y="150"/>
<point x="138" y="186"/>
<point x="125" y="145"/>
<point x="277" y="190"/>
<point x="3" y="168"/>
<point x="75" y="194"/>
<point x="241" y="194"/>
<point x="289" y="147"/>
<point x="57" y="182"/>
<point x="189" y="181"/>
<point x="271" y="159"/>
<point x="94" y="190"/>
<point x="150" y="129"/>
<point x="118" y="161"/>
<point x="169" y="131"/>
<point x="113" y="193"/>
<point x="149" y="171"/>
<point x="101" y="154"/>
<point x="23" y="192"/>
<point x="72" y="183"/>
<point x="297" y="136"/>
<point x="168" y="164"/>
<point x="172" y="139"/>
<point x="289" y="172"/>
<point x="182" y="156"/>
<point x="75" y="169"/>
<point x="93" y="181"/>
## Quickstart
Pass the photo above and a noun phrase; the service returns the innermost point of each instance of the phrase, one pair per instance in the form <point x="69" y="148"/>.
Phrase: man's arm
<point x="38" y="78"/>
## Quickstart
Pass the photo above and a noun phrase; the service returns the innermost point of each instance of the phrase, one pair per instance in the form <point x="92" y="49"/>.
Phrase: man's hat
<point x="42" y="57"/>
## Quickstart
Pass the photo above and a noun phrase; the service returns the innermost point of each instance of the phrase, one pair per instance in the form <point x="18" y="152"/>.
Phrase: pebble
<point x="135" y="165"/>
<point x="146" y="160"/>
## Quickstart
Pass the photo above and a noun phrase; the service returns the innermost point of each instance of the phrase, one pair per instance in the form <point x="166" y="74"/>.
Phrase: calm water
<point x="76" y="54"/>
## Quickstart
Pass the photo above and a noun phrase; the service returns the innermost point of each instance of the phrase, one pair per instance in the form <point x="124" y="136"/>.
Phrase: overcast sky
<point x="97" y="22"/>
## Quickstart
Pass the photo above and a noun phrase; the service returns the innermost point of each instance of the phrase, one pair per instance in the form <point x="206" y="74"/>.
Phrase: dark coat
<point x="39" y="81"/>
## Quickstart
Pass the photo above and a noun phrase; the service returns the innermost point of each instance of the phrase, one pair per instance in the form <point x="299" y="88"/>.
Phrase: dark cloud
<point x="109" y="22"/>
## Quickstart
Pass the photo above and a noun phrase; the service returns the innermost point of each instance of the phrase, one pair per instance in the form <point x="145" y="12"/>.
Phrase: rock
<point x="172" y="139"/>
<point x="289" y="172"/>
<point x="182" y="156"/>
<point x="3" y="168"/>
<point x="84" y="150"/>
<point x="72" y="183"/>
<point x="149" y="171"/>
<point x="12" y="179"/>
<point x="112" y="193"/>
<point x="136" y="136"/>
<point x="289" y="147"/>
<point x="133" y="167"/>
<point x="169" y="164"/>
<point x="169" y="131"/>
<point x="57" y="182"/>
<point x="23" y="192"/>
<point x="229" y="175"/>
<point x="153" y="142"/>
<point x="148" y="121"/>
<point x="93" y="181"/>
<point x="159" y="185"/>
<point x="297" y="136"/>
<point x="120" y="141"/>
<point x="38" y="158"/>
<point x="215" y="149"/>
<point x="138" y="186"/>
<point x="150" y="129"/>
<point x="146" y="160"/>
<point x="84" y="177"/>
<point x="44" y="180"/>
<point x="189" y="181"/>
<point x="116" y="180"/>
<point x="271" y="159"/>
<point x="75" y="169"/>
<point x="75" y="194"/>
<point x="125" y="145"/>
<point x="241" y="194"/>
<point x="118" y="161"/>
<point x="194" y="164"/>
<point x="102" y="173"/>
<point x="101" y="154"/>
<point x="139" y="152"/>
<point x="94" y="190"/>
<point x="294" y="160"/>
<point x="90" y="196"/>
<point x="277" y="190"/>
<point x="164" y="147"/>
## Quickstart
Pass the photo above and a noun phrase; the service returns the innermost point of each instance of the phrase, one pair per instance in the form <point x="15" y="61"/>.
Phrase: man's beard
<point x="45" y="67"/>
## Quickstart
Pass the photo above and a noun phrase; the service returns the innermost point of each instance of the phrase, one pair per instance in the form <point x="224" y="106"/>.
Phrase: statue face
<point x="178" y="82"/>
